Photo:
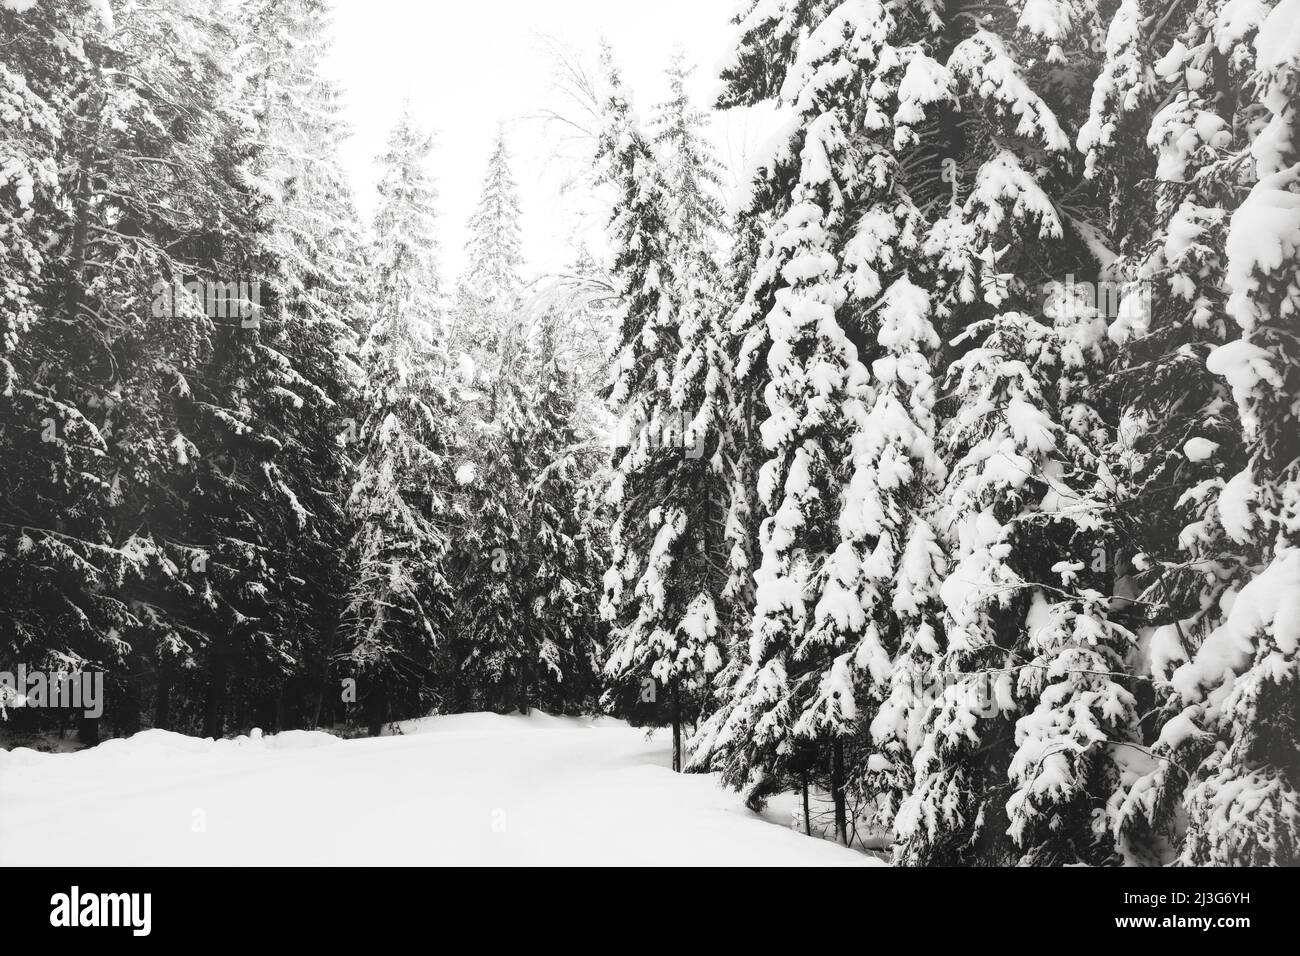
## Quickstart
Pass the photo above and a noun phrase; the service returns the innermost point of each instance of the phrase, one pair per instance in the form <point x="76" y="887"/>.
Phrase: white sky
<point x="469" y="64"/>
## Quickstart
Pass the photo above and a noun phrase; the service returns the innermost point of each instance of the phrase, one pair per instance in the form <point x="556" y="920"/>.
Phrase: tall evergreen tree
<point x="316" y="289"/>
<point x="661" y="590"/>
<point x="404" y="498"/>
<point x="1210" y="378"/>
<point x="60" y="610"/>
<point x="161" y="382"/>
<point x="529" y="562"/>
<point x="813" y="632"/>
<point x="898" y="204"/>
<point x="567" y="551"/>
<point x="494" y="247"/>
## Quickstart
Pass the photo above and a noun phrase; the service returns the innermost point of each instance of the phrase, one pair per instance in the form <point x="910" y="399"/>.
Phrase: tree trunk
<point x="525" y="689"/>
<point x="329" y="632"/>
<point x="377" y="705"/>
<point x="277" y="721"/>
<point x="212" y="726"/>
<point x="88" y="731"/>
<point x="807" y="817"/>
<point x="837" y="791"/>
<point x="677" y="727"/>
<point x="1226" y="91"/>
<point x="129" y="718"/>
<point x="236" y="705"/>
<point x="318" y="706"/>
<point x="162" y="705"/>
<point x="457" y="683"/>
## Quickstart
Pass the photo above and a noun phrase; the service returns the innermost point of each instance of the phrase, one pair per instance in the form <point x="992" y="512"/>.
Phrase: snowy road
<point x="470" y="789"/>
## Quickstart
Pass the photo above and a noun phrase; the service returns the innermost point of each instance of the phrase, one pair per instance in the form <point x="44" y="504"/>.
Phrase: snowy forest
<point x="942" y="476"/>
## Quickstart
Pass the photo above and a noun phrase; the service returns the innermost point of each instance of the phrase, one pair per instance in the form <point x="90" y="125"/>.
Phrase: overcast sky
<point x="467" y="65"/>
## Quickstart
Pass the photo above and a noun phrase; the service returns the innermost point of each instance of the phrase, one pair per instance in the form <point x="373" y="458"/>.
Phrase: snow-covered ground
<point x="468" y="789"/>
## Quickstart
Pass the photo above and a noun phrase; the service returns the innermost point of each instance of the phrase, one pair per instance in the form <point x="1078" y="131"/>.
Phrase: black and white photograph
<point x="699" y="433"/>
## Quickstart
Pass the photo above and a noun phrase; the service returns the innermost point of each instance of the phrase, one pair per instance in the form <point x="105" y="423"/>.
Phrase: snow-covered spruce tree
<point x="945" y="153"/>
<point x="503" y="660"/>
<point x="57" y="550"/>
<point x="485" y="568"/>
<point x="998" y="441"/>
<point x="692" y="171"/>
<point x="1221" y="788"/>
<point x="699" y="390"/>
<point x="564" y="551"/>
<point x="1028" y="677"/>
<point x="745" y="344"/>
<point x="160" y="391"/>
<point x="489" y="335"/>
<point x="494" y="246"/>
<point x="662" y="585"/>
<point x="792" y="300"/>
<point x="1178" y="437"/>
<point x="1075" y="742"/>
<point x="404" y="498"/>
<point x="528" y="562"/>
<point x="250" y="517"/>
<point x="315" y="288"/>
<point x="532" y="548"/>
<point x="487" y="325"/>
<point x="817" y="637"/>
